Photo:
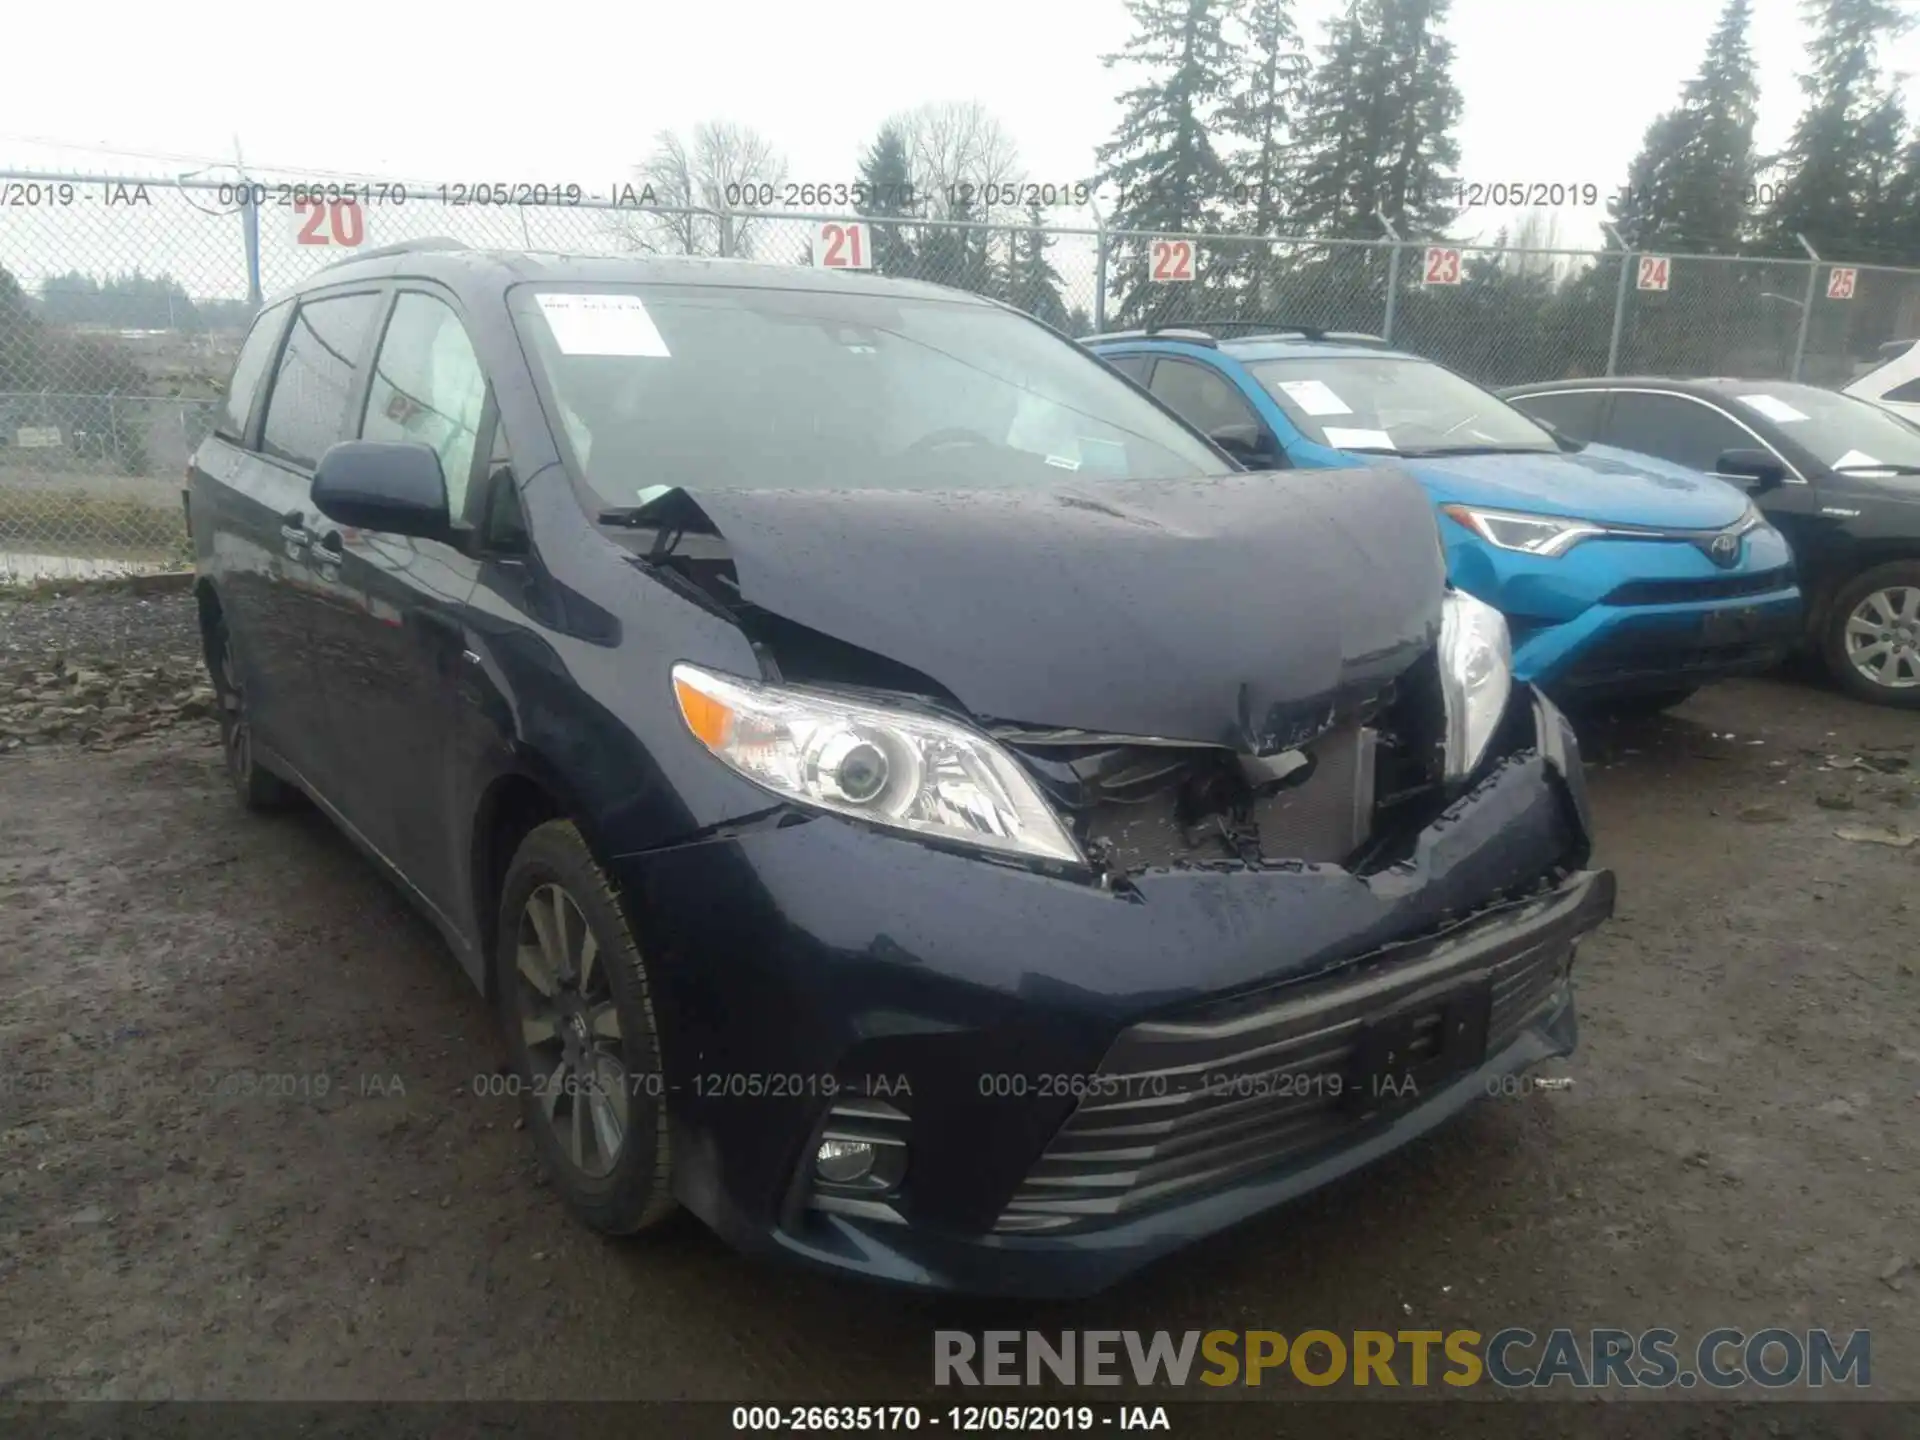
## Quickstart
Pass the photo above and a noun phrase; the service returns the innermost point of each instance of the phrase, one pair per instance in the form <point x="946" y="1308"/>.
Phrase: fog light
<point x="843" y="1162"/>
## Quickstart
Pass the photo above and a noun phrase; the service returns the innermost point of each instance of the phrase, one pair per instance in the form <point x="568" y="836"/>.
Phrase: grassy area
<point x="50" y="521"/>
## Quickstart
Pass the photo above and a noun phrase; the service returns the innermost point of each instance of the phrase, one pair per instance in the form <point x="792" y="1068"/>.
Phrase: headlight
<point x="1476" y="677"/>
<point x="1530" y="534"/>
<point x="872" y="762"/>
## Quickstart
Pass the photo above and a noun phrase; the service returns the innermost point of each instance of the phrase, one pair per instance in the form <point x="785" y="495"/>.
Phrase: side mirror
<point x="1560" y="437"/>
<point x="1249" y="445"/>
<point x="396" y="488"/>
<point x="1754" y="468"/>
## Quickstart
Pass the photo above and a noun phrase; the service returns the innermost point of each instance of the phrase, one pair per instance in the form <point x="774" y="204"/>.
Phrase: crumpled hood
<point x="1234" y="610"/>
<point x="1617" y="487"/>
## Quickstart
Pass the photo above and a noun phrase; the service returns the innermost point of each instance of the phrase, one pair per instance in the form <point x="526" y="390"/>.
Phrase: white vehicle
<point x="1895" y="383"/>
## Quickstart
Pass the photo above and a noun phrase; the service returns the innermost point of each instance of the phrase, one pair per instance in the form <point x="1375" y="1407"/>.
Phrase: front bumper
<point x="804" y="971"/>
<point x="1616" y="617"/>
<point x="1614" y="651"/>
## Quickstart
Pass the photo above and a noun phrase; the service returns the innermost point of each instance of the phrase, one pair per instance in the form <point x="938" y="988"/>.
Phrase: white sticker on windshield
<point x="1315" y="398"/>
<point x="1858" y="459"/>
<point x="602" y="325"/>
<point x="1773" y="407"/>
<point x="1341" y="439"/>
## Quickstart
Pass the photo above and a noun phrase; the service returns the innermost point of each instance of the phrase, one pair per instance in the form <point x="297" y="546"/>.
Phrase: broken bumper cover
<point x="813" y="974"/>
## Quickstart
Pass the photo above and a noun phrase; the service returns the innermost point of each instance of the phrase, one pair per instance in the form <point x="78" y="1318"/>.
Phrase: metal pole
<point x="1393" y="273"/>
<point x="1619" y="301"/>
<point x="1806" y="310"/>
<point x="1099" y="272"/>
<point x="250" y="235"/>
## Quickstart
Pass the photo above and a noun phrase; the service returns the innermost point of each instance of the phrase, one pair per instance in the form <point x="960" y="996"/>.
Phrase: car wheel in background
<point x="578" y="1014"/>
<point x="257" y="788"/>
<point x="1872" y="640"/>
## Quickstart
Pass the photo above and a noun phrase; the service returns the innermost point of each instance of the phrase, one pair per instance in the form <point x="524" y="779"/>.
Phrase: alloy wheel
<point x="1883" y="637"/>
<point x="571" y="1028"/>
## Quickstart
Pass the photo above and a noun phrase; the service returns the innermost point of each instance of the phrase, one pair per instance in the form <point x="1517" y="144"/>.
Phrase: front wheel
<point x="1872" y="640"/>
<point x="580" y="1031"/>
<point x="256" y="787"/>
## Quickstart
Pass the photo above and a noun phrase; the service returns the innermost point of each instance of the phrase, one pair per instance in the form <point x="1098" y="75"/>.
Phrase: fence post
<point x="1099" y="273"/>
<point x="1619" y="305"/>
<point x="250" y="237"/>
<point x="1806" y="310"/>
<point x="1393" y="273"/>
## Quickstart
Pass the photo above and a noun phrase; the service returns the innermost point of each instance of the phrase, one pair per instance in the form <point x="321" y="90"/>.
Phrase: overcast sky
<point x="572" y="91"/>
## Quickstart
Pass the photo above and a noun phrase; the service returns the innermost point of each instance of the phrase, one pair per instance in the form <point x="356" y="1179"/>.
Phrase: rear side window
<point x="1575" y="413"/>
<point x="1686" y="432"/>
<point x="1201" y="397"/>
<point x="1907" y="394"/>
<point x="1134" y="367"/>
<point x="307" y="410"/>
<point x="248" y="371"/>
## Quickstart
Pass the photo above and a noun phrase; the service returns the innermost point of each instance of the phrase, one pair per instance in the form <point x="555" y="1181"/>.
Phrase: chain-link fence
<point x="123" y="302"/>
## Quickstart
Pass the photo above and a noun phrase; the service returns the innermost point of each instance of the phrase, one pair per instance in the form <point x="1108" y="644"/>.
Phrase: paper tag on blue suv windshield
<point x="602" y="325"/>
<point x="1315" y="397"/>
<point x="1341" y="439"/>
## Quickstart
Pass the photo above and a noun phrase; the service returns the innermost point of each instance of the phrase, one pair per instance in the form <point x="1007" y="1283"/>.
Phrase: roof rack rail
<point x="1202" y="333"/>
<point x="400" y="247"/>
<point x="1191" y="335"/>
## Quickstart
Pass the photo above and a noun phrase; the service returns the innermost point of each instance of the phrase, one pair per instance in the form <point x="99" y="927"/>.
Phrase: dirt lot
<point x="1740" y="1145"/>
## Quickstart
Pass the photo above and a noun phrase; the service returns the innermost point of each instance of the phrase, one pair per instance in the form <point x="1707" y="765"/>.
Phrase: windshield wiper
<point x="1429" y="452"/>
<point x="1876" y="469"/>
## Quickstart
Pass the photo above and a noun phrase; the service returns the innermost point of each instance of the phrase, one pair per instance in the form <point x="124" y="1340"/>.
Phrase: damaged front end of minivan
<point x="1101" y="896"/>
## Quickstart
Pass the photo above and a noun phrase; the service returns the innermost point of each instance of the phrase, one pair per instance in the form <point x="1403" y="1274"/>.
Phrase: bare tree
<point x="723" y="168"/>
<point x="959" y="155"/>
<point x="1539" y="229"/>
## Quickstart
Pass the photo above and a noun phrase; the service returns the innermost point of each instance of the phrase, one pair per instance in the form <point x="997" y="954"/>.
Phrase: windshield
<point x="1394" y="405"/>
<point x="751" y="388"/>
<point x="1843" y="432"/>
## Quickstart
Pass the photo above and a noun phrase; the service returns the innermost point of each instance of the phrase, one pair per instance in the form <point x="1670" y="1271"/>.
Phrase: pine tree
<point x="1897" y="224"/>
<point x="1257" y="114"/>
<point x="1257" y="111"/>
<point x="1829" y="191"/>
<point x="1376" y="126"/>
<point x="888" y="197"/>
<point x="1161" y="160"/>
<point x="19" y="337"/>
<point x="951" y="254"/>
<point x="1688" y="188"/>
<point x="1035" y="283"/>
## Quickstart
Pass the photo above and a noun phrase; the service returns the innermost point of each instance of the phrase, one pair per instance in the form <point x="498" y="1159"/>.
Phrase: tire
<point x="584" y="1050"/>
<point x="1877" y="614"/>
<point x="257" y="788"/>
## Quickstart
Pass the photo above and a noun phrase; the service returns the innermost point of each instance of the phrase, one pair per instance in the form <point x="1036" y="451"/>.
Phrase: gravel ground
<point x="99" y="667"/>
<point x="1738" y="1148"/>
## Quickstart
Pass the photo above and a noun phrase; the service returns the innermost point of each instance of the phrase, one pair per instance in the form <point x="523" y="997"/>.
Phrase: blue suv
<point x="1625" y="580"/>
